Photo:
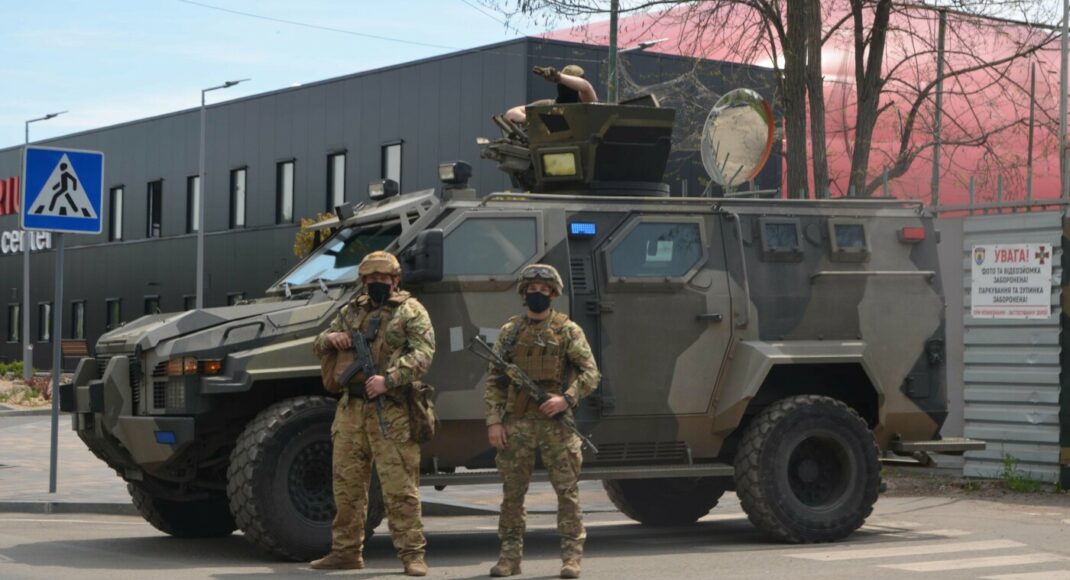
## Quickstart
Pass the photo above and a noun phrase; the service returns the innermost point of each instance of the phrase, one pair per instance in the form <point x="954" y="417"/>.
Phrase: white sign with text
<point x="1011" y="281"/>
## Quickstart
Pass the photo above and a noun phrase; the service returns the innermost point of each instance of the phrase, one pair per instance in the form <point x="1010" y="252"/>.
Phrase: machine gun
<point x="521" y="380"/>
<point x="364" y="363"/>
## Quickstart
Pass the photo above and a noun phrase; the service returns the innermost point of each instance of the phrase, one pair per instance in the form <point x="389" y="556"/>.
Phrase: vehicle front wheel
<point x="279" y="480"/>
<point x="808" y="470"/>
<point x="204" y="518"/>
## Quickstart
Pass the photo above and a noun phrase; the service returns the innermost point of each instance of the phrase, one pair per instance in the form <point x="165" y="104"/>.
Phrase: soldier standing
<point x="402" y="348"/>
<point x="553" y="351"/>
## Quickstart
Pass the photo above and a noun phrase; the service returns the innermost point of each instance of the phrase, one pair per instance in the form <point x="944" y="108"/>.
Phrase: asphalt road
<point x="917" y="538"/>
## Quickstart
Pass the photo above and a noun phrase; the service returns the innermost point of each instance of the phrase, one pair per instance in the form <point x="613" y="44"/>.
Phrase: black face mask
<point x="537" y="302"/>
<point x="379" y="292"/>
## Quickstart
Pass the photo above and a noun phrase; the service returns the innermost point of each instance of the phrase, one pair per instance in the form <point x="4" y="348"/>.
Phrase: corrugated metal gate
<point x="1012" y="368"/>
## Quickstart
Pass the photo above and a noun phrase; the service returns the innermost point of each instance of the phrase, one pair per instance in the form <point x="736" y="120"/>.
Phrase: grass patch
<point x="1016" y="480"/>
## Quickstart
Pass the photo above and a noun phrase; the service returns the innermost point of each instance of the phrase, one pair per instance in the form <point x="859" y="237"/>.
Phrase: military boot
<point x="570" y="568"/>
<point x="416" y="567"/>
<point x="338" y="561"/>
<point x="505" y="567"/>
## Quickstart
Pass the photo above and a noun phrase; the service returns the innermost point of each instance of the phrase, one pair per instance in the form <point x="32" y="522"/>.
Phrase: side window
<point x="848" y="241"/>
<point x="781" y="239"/>
<point x="657" y="250"/>
<point x="483" y="246"/>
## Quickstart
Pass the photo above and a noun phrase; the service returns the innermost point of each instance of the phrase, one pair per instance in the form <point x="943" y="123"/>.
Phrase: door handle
<point x="710" y="316"/>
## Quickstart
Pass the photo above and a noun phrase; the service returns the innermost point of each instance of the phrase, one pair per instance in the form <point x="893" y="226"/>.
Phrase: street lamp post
<point x="27" y="354"/>
<point x="201" y="188"/>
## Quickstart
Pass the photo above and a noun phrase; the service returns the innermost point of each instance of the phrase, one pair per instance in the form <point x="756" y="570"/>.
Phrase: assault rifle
<point x="364" y="362"/>
<point x="521" y="380"/>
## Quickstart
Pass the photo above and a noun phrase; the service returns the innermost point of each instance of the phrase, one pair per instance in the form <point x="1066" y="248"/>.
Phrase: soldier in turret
<point x="553" y="351"/>
<point x="571" y="88"/>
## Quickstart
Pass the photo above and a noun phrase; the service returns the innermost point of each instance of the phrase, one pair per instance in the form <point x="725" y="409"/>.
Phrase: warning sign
<point x="61" y="194"/>
<point x="1011" y="281"/>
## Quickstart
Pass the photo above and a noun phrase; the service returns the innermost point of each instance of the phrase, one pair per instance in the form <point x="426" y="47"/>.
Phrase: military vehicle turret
<point x="777" y="348"/>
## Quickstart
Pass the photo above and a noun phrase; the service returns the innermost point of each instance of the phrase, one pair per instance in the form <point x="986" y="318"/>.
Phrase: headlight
<point x="189" y="365"/>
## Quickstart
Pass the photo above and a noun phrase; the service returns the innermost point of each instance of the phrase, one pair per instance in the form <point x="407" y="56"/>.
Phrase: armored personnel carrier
<point x="775" y="348"/>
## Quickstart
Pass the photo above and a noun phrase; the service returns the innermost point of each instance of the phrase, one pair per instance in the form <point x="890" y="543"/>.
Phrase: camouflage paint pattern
<point x="686" y="358"/>
<point x="403" y="349"/>
<point x="549" y="351"/>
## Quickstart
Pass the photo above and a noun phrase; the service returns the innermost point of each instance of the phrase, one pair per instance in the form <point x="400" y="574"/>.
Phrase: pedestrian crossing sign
<point x="63" y="190"/>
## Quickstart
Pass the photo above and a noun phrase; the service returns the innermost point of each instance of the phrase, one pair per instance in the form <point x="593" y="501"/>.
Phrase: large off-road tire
<point x="205" y="518"/>
<point x="279" y="480"/>
<point x="807" y="470"/>
<point x="665" y="502"/>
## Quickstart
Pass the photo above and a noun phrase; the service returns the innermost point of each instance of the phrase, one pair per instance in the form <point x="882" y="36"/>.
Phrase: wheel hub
<point x="817" y="471"/>
<point x="309" y="482"/>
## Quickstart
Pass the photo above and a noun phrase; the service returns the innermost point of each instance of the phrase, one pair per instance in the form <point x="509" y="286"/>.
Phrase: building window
<point x="234" y="298"/>
<point x="189" y="302"/>
<point x="155" y="209"/>
<point x="78" y="320"/>
<point x="336" y="180"/>
<point x="44" y="322"/>
<point x="193" y="203"/>
<point x="284" y="192"/>
<point x="115" y="214"/>
<point x="391" y="162"/>
<point x="114" y="315"/>
<point x="14" y="323"/>
<point x="152" y="305"/>
<point x="237" y="198"/>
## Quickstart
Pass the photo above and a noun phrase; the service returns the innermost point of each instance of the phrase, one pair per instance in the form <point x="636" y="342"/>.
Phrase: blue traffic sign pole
<point x="57" y="361"/>
<point x="62" y="192"/>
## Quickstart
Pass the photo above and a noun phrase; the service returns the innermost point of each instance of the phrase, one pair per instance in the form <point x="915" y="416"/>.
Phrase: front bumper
<point x="103" y="405"/>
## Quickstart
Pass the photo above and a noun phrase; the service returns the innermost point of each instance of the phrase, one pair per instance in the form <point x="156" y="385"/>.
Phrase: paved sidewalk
<point x="86" y="485"/>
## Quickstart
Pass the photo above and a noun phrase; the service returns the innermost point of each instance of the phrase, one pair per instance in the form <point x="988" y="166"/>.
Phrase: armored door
<point x="665" y="314"/>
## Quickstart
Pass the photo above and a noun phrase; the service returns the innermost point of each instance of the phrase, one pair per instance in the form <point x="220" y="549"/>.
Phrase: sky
<point x="110" y="61"/>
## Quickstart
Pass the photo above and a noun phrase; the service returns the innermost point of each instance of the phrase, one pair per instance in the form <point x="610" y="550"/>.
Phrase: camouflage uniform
<point x="550" y="351"/>
<point x="402" y="350"/>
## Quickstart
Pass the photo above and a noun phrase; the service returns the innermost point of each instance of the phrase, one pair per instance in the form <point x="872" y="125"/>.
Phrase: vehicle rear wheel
<point x="808" y="470"/>
<point x="665" y="502"/>
<point x="205" y="518"/>
<point x="279" y="480"/>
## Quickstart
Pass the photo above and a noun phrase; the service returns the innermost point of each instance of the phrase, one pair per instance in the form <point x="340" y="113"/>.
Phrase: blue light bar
<point x="585" y="229"/>
<point x="166" y="437"/>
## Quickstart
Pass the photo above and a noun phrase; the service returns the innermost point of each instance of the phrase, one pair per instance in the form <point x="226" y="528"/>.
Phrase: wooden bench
<point x="76" y="349"/>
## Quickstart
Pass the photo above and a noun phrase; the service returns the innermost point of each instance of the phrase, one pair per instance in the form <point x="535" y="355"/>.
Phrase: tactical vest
<point x="382" y="354"/>
<point x="539" y="350"/>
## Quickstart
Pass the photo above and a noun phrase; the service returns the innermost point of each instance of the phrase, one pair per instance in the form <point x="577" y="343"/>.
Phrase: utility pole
<point x="935" y="193"/>
<point x="611" y="90"/>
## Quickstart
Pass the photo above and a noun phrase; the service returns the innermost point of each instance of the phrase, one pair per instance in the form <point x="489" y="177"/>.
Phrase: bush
<point x="13" y="367"/>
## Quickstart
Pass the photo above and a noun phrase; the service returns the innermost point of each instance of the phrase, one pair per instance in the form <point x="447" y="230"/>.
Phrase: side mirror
<point x="422" y="261"/>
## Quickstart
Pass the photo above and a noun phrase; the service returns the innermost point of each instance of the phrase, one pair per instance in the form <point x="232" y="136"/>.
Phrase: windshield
<point x="338" y="258"/>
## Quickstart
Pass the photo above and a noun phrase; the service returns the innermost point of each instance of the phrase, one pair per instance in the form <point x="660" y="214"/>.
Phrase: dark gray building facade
<point x="277" y="157"/>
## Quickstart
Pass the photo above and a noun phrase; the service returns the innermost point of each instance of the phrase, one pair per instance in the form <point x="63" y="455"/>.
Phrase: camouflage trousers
<point x="561" y="454"/>
<point x="358" y="443"/>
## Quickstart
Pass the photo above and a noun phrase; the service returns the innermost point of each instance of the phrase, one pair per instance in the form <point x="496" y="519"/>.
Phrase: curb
<point x="435" y="509"/>
<point x="6" y="411"/>
<point x="68" y="507"/>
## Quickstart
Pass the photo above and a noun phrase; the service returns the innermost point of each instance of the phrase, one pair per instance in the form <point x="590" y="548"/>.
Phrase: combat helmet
<point x="379" y="262"/>
<point x="540" y="273"/>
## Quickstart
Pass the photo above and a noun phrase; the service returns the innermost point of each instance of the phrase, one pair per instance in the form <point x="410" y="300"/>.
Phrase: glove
<point x="547" y="72"/>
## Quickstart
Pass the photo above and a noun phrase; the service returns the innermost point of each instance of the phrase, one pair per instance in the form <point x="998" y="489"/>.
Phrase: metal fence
<point x="1011" y="368"/>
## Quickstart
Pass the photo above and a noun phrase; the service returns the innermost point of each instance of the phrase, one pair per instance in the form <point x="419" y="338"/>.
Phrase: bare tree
<point x="892" y="91"/>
